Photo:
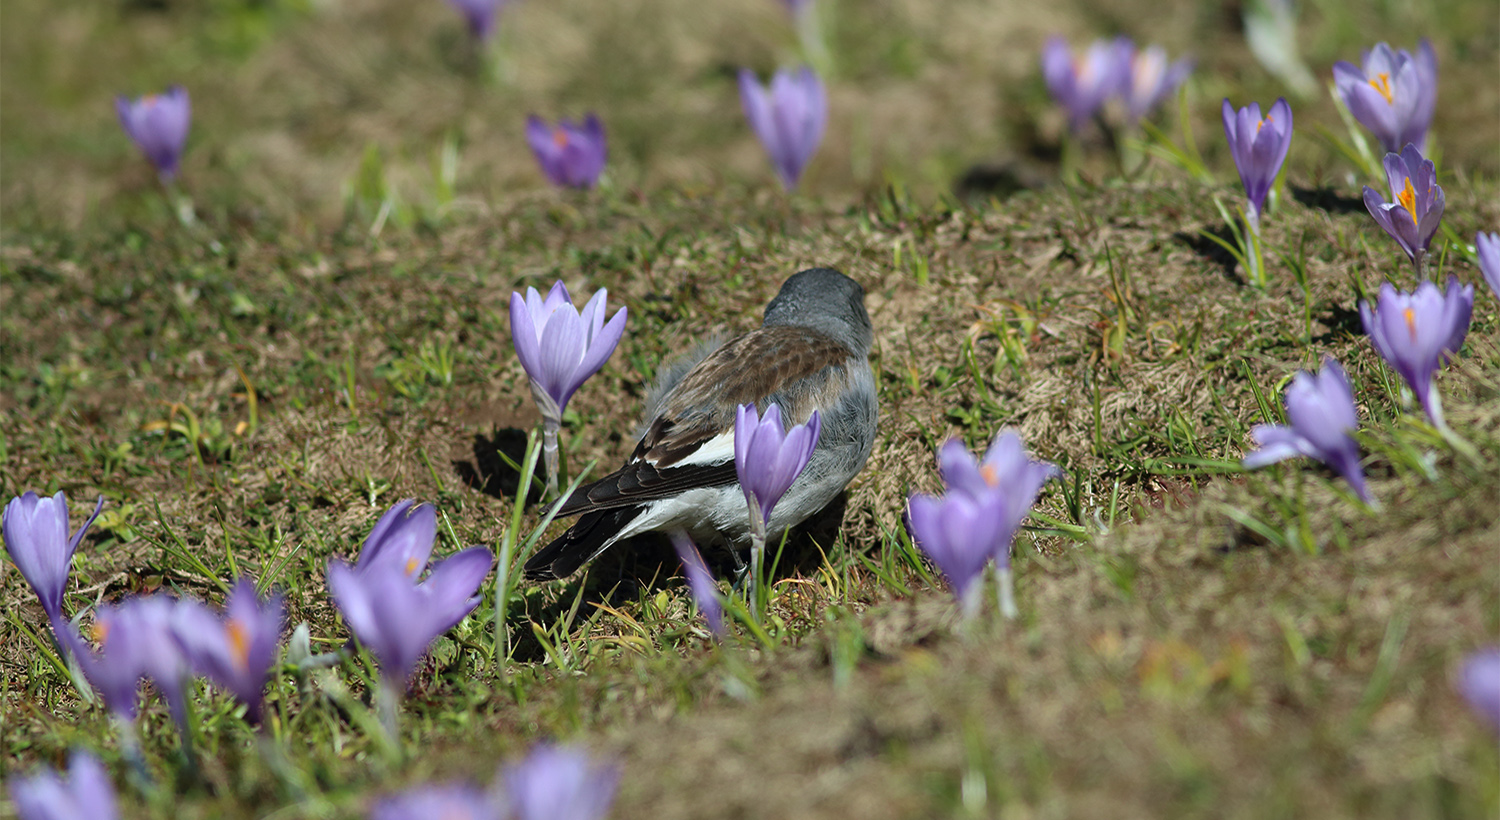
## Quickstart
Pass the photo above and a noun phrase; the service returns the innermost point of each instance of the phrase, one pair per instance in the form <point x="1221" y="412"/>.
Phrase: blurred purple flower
<point x="1394" y="94"/>
<point x="135" y="642"/>
<point x="451" y="802"/>
<point x="1259" y="148"/>
<point x="1082" y="84"/>
<point x="768" y="460"/>
<point x="36" y="536"/>
<point x="1150" y="78"/>
<point x="158" y="124"/>
<point x="87" y="792"/>
<point x="402" y="538"/>
<point x="959" y="532"/>
<point x="796" y="7"/>
<point x="398" y="619"/>
<point x="1416" y="207"/>
<point x="559" y="347"/>
<point x="1006" y="470"/>
<point x="480" y="15"/>
<point x="1419" y="332"/>
<point x="236" y="650"/>
<point x="1002" y="488"/>
<point x="1487" y="247"/>
<point x="700" y="583"/>
<point x="559" y="783"/>
<point x="788" y="118"/>
<point x="1320" y="407"/>
<point x="572" y="155"/>
<point x="1479" y="683"/>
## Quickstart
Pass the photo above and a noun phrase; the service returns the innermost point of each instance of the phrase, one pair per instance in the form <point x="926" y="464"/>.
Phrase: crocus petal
<point x="452" y="584"/>
<point x="403" y="537"/>
<point x="559" y="783"/>
<point x="1479" y="683"/>
<point x="700" y="583"/>
<point x="1487" y="248"/>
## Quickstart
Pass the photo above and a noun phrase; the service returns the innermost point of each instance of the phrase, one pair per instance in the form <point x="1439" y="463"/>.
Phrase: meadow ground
<point x="251" y="388"/>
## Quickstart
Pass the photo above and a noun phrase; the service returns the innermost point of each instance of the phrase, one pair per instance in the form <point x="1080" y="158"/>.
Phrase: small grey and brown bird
<point x="811" y="352"/>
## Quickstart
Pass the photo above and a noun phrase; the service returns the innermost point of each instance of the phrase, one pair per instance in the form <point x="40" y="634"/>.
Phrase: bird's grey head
<point x="824" y="299"/>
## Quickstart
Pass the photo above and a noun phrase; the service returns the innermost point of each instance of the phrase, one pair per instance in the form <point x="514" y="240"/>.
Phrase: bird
<point x="810" y="353"/>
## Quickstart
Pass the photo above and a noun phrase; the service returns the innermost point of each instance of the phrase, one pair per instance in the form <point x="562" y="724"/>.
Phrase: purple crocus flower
<point x="1259" y="147"/>
<point x="571" y="154"/>
<point x="401" y="538"/>
<point x="1479" y="683"/>
<point x="1320" y="407"/>
<point x="87" y="792"/>
<point x="1150" y="78"/>
<point x="1010" y="476"/>
<point x="1419" y="332"/>
<point x="1394" y="94"/>
<point x="36" y="536"/>
<point x="158" y="124"/>
<point x="700" y="583"/>
<point x="559" y="783"/>
<point x="480" y="15"/>
<point x="958" y="532"/>
<point x="767" y="459"/>
<point x="788" y="117"/>
<point x="1487" y="246"/>
<point x="396" y="618"/>
<point x="135" y="642"/>
<point x="451" y="802"/>
<point x="1416" y="207"/>
<point x="1082" y="84"/>
<point x="234" y="651"/>
<point x="560" y="348"/>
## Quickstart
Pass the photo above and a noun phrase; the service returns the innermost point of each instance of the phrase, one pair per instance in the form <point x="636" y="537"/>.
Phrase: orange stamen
<point x="100" y="632"/>
<point x="239" y="643"/>
<point x="560" y="138"/>
<point x="1408" y="200"/>
<point x="991" y="477"/>
<point x="1411" y="323"/>
<point x="1262" y="122"/>
<point x="411" y="565"/>
<point x="1382" y="83"/>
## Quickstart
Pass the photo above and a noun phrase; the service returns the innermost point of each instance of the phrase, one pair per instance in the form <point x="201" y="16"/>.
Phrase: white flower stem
<point x="388" y="704"/>
<point x="1006" y="593"/>
<point x="757" y="558"/>
<point x="1257" y="269"/>
<point x="551" y="457"/>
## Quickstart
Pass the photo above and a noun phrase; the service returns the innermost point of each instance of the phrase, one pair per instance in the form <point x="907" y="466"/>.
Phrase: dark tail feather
<point x="578" y="545"/>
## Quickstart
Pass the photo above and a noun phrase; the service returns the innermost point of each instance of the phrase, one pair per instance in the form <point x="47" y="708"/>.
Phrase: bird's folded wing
<point x="691" y="444"/>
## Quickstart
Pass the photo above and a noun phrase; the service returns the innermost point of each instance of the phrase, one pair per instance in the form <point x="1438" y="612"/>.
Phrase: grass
<point x="251" y="390"/>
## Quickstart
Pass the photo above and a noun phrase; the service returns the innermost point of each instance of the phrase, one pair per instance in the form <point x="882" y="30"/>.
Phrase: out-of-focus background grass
<point x="1194" y="642"/>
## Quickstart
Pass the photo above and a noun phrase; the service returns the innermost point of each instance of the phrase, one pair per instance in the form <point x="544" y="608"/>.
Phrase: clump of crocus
<point x="479" y="15"/>
<point x="559" y="782"/>
<point x="768" y="458"/>
<point x="1394" y="94"/>
<point x="1487" y="248"/>
<point x="158" y="125"/>
<point x="450" y="802"/>
<point x="1419" y="332"/>
<point x="1082" y="84"/>
<point x="1322" y="416"/>
<point x="1149" y="78"/>
<point x="397" y="618"/>
<point x="1259" y="146"/>
<point x="978" y="518"/>
<point x="789" y="117"/>
<point x="234" y="650"/>
<point x="1416" y="207"/>
<point x="1479" y="683"/>
<point x="700" y="583"/>
<point x="36" y="536"/>
<point x="86" y="792"/>
<point x="560" y="348"/>
<point x="571" y="154"/>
